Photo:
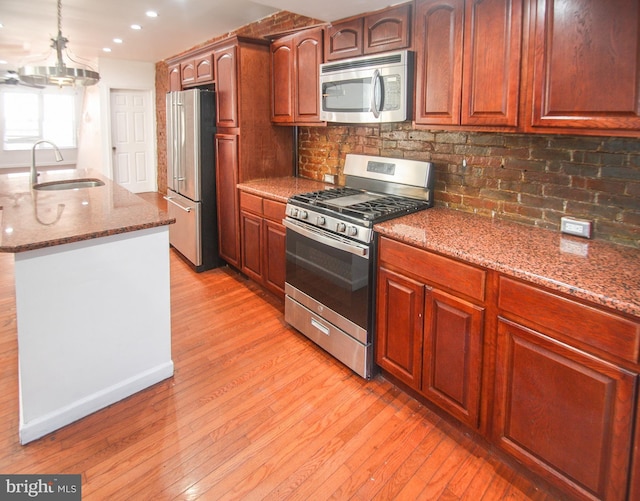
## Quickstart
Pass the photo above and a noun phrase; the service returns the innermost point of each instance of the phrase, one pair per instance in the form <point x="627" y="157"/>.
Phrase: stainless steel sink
<point x="68" y="184"/>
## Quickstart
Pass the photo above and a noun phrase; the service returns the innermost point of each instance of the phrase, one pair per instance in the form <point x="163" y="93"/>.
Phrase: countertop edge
<point x="83" y="236"/>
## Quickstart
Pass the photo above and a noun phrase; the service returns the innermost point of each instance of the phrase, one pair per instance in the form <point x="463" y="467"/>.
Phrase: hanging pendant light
<point x="60" y="74"/>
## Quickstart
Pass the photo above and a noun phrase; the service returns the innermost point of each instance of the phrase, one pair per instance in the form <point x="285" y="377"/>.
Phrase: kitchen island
<point x="92" y="296"/>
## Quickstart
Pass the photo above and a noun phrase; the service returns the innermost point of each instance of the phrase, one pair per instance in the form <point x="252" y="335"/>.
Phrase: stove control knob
<point x="294" y="212"/>
<point x="303" y="214"/>
<point x="341" y="227"/>
<point x="352" y="231"/>
<point x="321" y="221"/>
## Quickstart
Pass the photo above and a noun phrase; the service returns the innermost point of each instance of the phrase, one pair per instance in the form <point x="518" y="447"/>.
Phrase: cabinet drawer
<point x="600" y="329"/>
<point x="252" y="203"/>
<point x="273" y="210"/>
<point x="445" y="272"/>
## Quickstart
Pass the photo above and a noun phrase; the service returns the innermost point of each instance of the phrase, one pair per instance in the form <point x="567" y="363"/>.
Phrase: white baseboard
<point x="68" y="414"/>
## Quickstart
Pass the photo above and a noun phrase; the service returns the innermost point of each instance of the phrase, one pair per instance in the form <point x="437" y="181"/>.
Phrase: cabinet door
<point x="451" y="370"/>
<point x="308" y="57"/>
<point x="274" y="251"/>
<point x="344" y="40"/>
<point x="491" y="67"/>
<point x="565" y="414"/>
<point x="282" y="92"/>
<point x="175" y="79"/>
<point x="439" y="29"/>
<point x="399" y="311"/>
<point x="226" y="87"/>
<point x="387" y="30"/>
<point x="203" y="69"/>
<point x="227" y="197"/>
<point x="586" y="64"/>
<point x="251" y="241"/>
<point x="188" y="73"/>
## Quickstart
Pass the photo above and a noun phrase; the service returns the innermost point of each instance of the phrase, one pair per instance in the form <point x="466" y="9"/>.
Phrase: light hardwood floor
<point x="254" y="411"/>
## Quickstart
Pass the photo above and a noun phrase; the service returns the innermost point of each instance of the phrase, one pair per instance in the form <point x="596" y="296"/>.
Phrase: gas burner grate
<point x="319" y="197"/>
<point x="359" y="204"/>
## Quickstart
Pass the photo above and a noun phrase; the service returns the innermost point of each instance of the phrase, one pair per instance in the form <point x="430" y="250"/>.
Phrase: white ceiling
<point x="90" y="25"/>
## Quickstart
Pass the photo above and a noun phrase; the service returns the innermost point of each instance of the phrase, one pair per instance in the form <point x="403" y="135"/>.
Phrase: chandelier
<point x="60" y="74"/>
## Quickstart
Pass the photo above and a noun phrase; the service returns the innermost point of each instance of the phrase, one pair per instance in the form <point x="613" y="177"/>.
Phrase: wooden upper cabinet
<point x="203" y="69"/>
<point x="175" y="80"/>
<point x="344" y="40"/>
<point x="491" y="62"/>
<point x="188" y="73"/>
<point x="295" y="64"/>
<point x="282" y="61"/>
<point x="439" y="31"/>
<point x="468" y="62"/>
<point x="224" y="60"/>
<point x="196" y="70"/>
<point x="585" y="64"/>
<point x="381" y="31"/>
<point x="308" y="57"/>
<point x="388" y="30"/>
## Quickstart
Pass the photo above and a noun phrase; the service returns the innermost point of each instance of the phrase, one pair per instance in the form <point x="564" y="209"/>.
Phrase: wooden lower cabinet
<point x="551" y="380"/>
<point x="263" y="241"/>
<point x="452" y="354"/>
<point x="399" y="323"/>
<point x="274" y="255"/>
<point x="427" y="338"/>
<point x="227" y="197"/>
<point x="564" y="413"/>
<point x="251" y="238"/>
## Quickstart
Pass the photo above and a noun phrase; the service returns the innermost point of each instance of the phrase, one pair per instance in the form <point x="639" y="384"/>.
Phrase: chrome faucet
<point x="34" y="173"/>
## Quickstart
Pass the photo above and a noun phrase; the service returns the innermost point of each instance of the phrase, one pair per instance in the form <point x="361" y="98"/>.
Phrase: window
<point x="33" y="114"/>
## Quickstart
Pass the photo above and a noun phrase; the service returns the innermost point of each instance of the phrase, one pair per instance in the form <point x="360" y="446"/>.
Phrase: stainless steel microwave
<point x="367" y="89"/>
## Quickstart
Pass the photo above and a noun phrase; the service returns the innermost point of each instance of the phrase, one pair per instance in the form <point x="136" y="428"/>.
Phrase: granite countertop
<point x="597" y="271"/>
<point x="281" y="188"/>
<point x="32" y="219"/>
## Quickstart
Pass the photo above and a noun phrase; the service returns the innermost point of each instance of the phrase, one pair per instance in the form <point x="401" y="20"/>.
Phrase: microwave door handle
<point x="375" y="80"/>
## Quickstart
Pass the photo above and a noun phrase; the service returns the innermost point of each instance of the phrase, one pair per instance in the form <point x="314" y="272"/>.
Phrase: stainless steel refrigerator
<point x="191" y="179"/>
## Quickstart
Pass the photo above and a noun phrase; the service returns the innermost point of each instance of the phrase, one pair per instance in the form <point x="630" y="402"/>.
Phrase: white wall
<point x="95" y="136"/>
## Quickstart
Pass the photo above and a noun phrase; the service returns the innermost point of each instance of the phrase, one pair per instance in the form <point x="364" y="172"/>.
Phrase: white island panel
<point x="94" y="325"/>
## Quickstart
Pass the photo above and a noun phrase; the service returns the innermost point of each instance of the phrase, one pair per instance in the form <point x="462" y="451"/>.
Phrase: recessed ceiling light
<point x="151" y="13"/>
<point x="106" y="49"/>
<point x="1" y="25"/>
<point x="2" y="61"/>
<point x="136" y="27"/>
<point x="117" y="40"/>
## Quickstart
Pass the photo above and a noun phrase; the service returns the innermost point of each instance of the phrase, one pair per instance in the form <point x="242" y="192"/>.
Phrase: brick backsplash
<point x="531" y="179"/>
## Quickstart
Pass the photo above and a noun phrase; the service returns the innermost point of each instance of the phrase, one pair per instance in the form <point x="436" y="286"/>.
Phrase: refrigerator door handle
<point x="171" y="201"/>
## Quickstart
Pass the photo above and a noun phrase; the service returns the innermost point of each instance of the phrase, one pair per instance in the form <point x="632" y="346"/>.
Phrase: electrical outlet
<point x="577" y="227"/>
<point x="330" y="178"/>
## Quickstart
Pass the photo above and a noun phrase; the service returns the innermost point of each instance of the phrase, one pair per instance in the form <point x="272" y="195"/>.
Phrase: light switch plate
<point x="330" y="178"/>
<point x="577" y="227"/>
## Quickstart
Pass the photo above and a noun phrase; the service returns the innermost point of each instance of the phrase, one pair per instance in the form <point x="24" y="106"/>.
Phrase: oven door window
<point x="335" y="278"/>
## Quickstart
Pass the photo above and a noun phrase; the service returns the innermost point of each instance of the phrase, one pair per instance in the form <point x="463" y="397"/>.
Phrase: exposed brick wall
<point x="532" y="179"/>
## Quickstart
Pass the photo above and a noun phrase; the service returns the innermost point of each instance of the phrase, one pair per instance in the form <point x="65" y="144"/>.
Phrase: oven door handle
<point x="358" y="250"/>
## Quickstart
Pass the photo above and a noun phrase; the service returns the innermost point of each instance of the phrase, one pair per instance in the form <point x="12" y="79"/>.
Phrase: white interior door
<point x="132" y="140"/>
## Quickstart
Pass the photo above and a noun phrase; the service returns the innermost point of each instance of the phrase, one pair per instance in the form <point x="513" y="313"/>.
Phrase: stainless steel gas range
<point x="331" y="252"/>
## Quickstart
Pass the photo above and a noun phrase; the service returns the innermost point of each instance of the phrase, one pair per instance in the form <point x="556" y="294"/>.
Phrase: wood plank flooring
<point x="254" y="411"/>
